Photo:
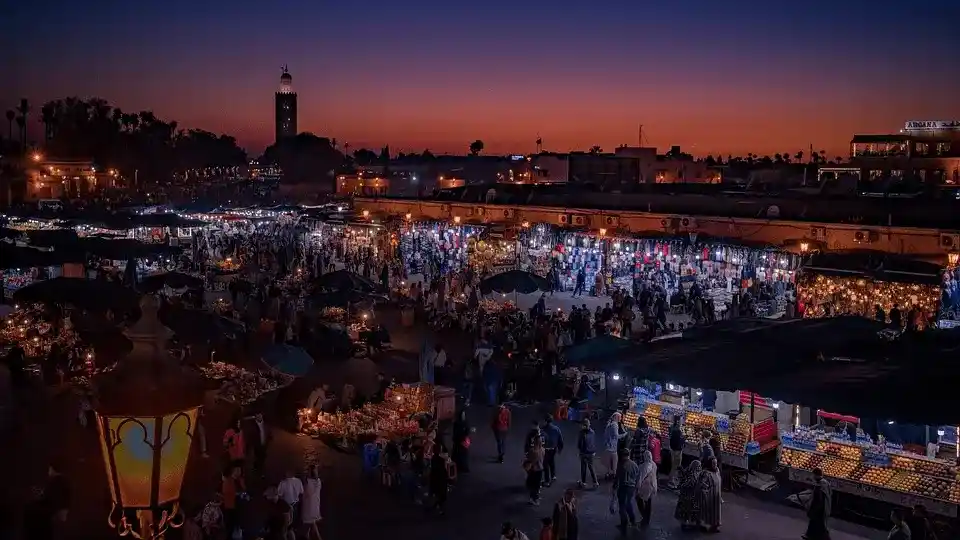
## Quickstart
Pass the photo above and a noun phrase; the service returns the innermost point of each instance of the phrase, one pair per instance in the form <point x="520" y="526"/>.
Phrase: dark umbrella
<point x="199" y="326"/>
<point x="93" y="295"/>
<point x="344" y="280"/>
<point x="342" y="298"/>
<point x="287" y="359"/>
<point x="174" y="280"/>
<point x="514" y="281"/>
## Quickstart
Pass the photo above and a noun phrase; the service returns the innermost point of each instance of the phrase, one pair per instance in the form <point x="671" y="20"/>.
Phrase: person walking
<point x="310" y="514"/>
<point x="613" y="433"/>
<point x="501" y="426"/>
<point x="900" y="530"/>
<point x="687" y="511"/>
<point x="677" y="442"/>
<point x="566" y="523"/>
<point x="819" y="510"/>
<point x="710" y="503"/>
<point x="587" y="446"/>
<point x="290" y="490"/>
<point x="233" y="444"/>
<point x="509" y="532"/>
<point x="439" y="480"/>
<point x="232" y="486"/>
<point x="624" y="490"/>
<point x="259" y="435"/>
<point x="533" y="465"/>
<point x="552" y="445"/>
<point x="646" y="488"/>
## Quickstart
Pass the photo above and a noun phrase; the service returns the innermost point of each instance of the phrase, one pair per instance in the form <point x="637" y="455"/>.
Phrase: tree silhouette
<point x="476" y="147"/>
<point x="137" y="144"/>
<point x="799" y="156"/>
<point x="595" y="149"/>
<point x="305" y="158"/>
<point x="10" y="116"/>
<point x="23" y="109"/>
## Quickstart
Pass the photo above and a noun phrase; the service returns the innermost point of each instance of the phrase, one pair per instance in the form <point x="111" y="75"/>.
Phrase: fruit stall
<point x="739" y="438"/>
<point x="879" y="470"/>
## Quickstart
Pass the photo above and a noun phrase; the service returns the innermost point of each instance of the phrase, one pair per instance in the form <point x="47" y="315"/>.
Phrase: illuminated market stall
<point x="394" y="418"/>
<point x="857" y="283"/>
<point x="872" y="467"/>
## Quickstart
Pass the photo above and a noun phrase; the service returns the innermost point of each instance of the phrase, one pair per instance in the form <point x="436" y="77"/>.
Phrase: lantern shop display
<point x="394" y="418"/>
<point x="241" y="386"/>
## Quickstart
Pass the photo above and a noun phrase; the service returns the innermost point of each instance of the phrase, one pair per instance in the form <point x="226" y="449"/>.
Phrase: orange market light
<point x="953" y="258"/>
<point x="603" y="232"/>
<point x="146" y="418"/>
<point x="804" y="247"/>
<point x="36" y="157"/>
<point x="366" y="213"/>
<point x="456" y="219"/>
<point x="409" y="216"/>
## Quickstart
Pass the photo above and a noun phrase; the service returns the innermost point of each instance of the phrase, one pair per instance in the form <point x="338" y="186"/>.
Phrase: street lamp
<point x="36" y="157"/>
<point x="147" y="416"/>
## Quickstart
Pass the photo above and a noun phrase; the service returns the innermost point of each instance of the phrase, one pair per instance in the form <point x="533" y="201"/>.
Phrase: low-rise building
<point x="70" y="179"/>
<point x="923" y="154"/>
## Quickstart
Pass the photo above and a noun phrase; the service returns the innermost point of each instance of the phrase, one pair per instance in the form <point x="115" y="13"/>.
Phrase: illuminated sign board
<point x="932" y="125"/>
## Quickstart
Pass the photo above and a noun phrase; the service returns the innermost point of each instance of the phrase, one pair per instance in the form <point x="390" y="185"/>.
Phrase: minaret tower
<point x="286" y="105"/>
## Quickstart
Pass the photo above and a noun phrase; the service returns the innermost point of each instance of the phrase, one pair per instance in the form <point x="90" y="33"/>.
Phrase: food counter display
<point x="394" y="418"/>
<point x="737" y="436"/>
<point x="881" y="472"/>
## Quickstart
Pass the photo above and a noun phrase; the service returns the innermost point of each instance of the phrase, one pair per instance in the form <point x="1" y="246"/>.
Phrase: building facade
<point x="67" y="179"/>
<point x="925" y="154"/>
<point x="286" y="108"/>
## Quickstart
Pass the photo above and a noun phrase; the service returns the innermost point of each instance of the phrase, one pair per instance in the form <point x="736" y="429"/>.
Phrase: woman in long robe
<point x="688" y="503"/>
<point x="710" y="496"/>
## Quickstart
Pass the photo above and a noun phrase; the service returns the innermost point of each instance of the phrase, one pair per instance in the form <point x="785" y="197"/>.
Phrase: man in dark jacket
<point x="587" y="446"/>
<point x="677" y="441"/>
<point x="552" y="445"/>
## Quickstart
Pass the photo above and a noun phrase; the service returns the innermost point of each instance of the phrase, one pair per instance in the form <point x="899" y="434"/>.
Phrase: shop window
<point x="896" y="174"/>
<point x="875" y="175"/>
<point x="943" y="148"/>
<point x="921" y="149"/>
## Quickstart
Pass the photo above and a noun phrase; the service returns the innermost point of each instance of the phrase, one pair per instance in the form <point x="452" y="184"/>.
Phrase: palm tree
<point x="476" y="147"/>
<point x="10" y="116"/>
<point x="595" y="149"/>
<point x="799" y="156"/>
<point x="47" y="119"/>
<point x="23" y="109"/>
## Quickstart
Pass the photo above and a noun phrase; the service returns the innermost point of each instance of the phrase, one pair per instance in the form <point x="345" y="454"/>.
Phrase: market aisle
<point x="356" y="506"/>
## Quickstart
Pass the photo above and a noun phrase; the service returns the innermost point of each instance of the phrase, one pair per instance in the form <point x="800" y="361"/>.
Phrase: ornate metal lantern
<point x="147" y="414"/>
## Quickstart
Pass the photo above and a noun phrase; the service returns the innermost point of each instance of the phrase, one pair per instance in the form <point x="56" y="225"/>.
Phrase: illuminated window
<point x="943" y="148"/>
<point x="875" y="175"/>
<point x="922" y="149"/>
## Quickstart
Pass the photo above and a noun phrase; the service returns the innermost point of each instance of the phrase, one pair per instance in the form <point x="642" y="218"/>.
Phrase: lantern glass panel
<point x="178" y="432"/>
<point x="133" y="440"/>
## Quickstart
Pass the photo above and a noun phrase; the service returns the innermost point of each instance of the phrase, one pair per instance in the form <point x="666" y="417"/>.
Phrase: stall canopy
<point x="93" y="295"/>
<point x="514" y="281"/>
<point x="174" y="280"/>
<point x="846" y="364"/>
<point x="12" y="256"/>
<point x="874" y="265"/>
<point x="344" y="280"/>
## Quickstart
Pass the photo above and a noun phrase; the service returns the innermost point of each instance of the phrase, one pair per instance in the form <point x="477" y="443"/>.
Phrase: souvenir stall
<point x="395" y="418"/>
<point x="445" y="244"/>
<point x="241" y="386"/>
<point x="829" y="295"/>
<point x="949" y="314"/>
<point x="720" y="270"/>
<point x="493" y="255"/>
<point x="856" y="464"/>
<point x="536" y="251"/>
<point x="740" y="438"/>
<point x="27" y="327"/>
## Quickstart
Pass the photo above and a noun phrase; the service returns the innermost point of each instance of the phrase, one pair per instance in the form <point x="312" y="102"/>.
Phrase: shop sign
<point x="877" y="493"/>
<point x="925" y="125"/>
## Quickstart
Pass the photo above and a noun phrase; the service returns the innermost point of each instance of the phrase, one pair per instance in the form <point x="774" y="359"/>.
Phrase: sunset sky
<point x="713" y="77"/>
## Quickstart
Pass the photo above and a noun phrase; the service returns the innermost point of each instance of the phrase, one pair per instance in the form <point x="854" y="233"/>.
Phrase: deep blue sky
<point x="729" y="77"/>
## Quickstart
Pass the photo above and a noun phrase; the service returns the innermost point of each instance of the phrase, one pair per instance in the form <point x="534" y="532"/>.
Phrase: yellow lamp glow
<point x="147" y="417"/>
